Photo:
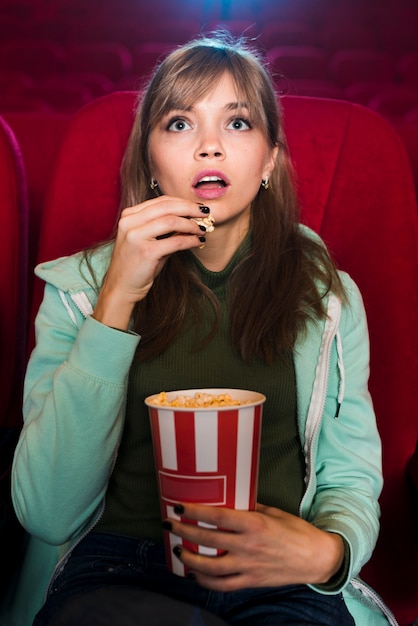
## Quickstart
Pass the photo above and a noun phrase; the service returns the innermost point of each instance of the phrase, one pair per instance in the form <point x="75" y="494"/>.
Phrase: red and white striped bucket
<point x="206" y="455"/>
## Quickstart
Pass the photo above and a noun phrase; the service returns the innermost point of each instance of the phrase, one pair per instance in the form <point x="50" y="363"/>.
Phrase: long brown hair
<point x="284" y="277"/>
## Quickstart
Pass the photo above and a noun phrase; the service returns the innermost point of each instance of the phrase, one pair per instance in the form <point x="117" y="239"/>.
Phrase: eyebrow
<point x="231" y="106"/>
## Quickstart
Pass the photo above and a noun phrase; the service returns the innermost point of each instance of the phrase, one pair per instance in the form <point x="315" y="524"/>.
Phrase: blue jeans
<point x="113" y="579"/>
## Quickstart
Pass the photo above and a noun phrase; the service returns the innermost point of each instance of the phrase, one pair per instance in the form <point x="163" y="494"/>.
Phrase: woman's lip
<point x="206" y="173"/>
<point x="209" y="194"/>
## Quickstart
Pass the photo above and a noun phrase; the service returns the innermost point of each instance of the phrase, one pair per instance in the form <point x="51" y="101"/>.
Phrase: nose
<point x="210" y="146"/>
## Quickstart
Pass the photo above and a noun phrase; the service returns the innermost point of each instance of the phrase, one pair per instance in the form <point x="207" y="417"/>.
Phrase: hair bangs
<point x="190" y="73"/>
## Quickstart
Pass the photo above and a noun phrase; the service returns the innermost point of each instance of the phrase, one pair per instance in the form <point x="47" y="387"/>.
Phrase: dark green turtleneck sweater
<point x="132" y="505"/>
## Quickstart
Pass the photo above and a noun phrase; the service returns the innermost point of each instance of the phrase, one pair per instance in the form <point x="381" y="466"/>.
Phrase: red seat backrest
<point x="38" y="135"/>
<point x="394" y="101"/>
<point x="112" y="59"/>
<point x="352" y="66"/>
<point x="308" y="62"/>
<point x="13" y="277"/>
<point x="356" y="190"/>
<point x="407" y="68"/>
<point x="36" y="57"/>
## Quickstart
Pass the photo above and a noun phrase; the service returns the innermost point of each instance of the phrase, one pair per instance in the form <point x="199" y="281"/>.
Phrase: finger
<point x="269" y="510"/>
<point x="163" y="204"/>
<point x="171" y="225"/>
<point x="212" y="538"/>
<point x="158" y="240"/>
<point x="233" y="582"/>
<point x="157" y="226"/>
<point x="210" y="566"/>
<point x="217" y="573"/>
<point x="178" y="242"/>
<point x="221" y="517"/>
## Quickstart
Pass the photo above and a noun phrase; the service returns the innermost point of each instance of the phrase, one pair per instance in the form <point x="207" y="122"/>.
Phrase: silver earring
<point x="153" y="184"/>
<point x="265" y="183"/>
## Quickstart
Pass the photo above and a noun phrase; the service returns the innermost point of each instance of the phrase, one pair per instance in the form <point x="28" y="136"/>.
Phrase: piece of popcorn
<point x="198" y="400"/>
<point x="207" y="221"/>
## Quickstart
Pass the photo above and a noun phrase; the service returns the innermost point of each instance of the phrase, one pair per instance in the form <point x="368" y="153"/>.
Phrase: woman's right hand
<point x="140" y="251"/>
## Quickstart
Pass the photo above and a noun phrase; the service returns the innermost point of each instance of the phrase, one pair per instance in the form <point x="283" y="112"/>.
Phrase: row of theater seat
<point x="355" y="189"/>
<point x="44" y="75"/>
<point x="70" y="51"/>
<point x="43" y="128"/>
<point x="114" y="59"/>
<point x="35" y="126"/>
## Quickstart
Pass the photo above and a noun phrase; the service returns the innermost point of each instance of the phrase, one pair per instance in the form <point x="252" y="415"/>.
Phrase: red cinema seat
<point x="351" y="35"/>
<point x="363" y="91"/>
<point x="408" y="68"/>
<point x="64" y="95"/>
<point x="307" y="87"/>
<point x="23" y="102"/>
<point x="352" y="66"/>
<point x="407" y="129"/>
<point x="13" y="276"/>
<point x="394" y="101"/>
<point x="400" y="36"/>
<point x="13" y="327"/>
<point x="356" y="189"/>
<point x="39" y="135"/>
<point x="146" y="55"/>
<point x="286" y="33"/>
<point x="36" y="57"/>
<point x="14" y="81"/>
<point x="306" y="62"/>
<point x="111" y="59"/>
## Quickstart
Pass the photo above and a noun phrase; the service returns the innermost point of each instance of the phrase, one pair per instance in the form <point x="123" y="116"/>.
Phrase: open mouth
<point x="210" y="182"/>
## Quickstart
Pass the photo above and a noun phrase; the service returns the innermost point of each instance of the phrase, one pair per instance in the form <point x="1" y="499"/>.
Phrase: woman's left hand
<point x="263" y="548"/>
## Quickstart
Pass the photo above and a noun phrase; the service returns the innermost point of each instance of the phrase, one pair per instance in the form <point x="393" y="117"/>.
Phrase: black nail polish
<point x="202" y="239"/>
<point x="167" y="525"/>
<point x="177" y="551"/>
<point x="191" y="576"/>
<point x="202" y="227"/>
<point x="178" y="509"/>
<point x="204" y="209"/>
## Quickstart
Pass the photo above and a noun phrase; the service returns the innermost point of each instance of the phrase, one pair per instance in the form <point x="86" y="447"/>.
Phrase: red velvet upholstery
<point x="38" y="135"/>
<point x="13" y="261"/>
<point x="408" y="69"/>
<point x="308" y="62"/>
<point x="34" y="56"/>
<point x="356" y="189"/>
<point x="146" y="55"/>
<point x="408" y="132"/>
<point x="109" y="58"/>
<point x="62" y="93"/>
<point x="347" y="35"/>
<point x="394" y="101"/>
<point x="352" y="66"/>
<point x="287" y="33"/>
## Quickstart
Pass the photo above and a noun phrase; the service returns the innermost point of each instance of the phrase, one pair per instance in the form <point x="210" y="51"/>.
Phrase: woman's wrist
<point x="332" y="557"/>
<point x="113" y="311"/>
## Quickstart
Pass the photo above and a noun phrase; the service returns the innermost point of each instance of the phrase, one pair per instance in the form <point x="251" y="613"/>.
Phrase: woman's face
<point x="212" y="153"/>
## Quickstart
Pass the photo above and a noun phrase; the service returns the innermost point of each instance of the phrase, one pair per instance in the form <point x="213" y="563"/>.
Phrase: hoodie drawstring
<point x="341" y="370"/>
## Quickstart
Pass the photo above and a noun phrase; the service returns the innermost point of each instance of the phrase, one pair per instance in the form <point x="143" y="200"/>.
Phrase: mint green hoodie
<point x="74" y="405"/>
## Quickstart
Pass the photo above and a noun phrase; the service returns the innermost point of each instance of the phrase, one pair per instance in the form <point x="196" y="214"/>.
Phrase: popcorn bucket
<point x="207" y="454"/>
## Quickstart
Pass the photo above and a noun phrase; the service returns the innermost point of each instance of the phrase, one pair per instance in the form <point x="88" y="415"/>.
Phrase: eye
<point x="178" y="124"/>
<point x="239" y="123"/>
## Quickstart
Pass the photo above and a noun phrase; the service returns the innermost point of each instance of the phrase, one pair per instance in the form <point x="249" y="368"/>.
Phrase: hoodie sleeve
<point x="74" y="398"/>
<point x="348" y="471"/>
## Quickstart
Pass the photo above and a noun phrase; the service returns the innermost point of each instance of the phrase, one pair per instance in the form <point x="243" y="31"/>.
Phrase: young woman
<point x="257" y="304"/>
